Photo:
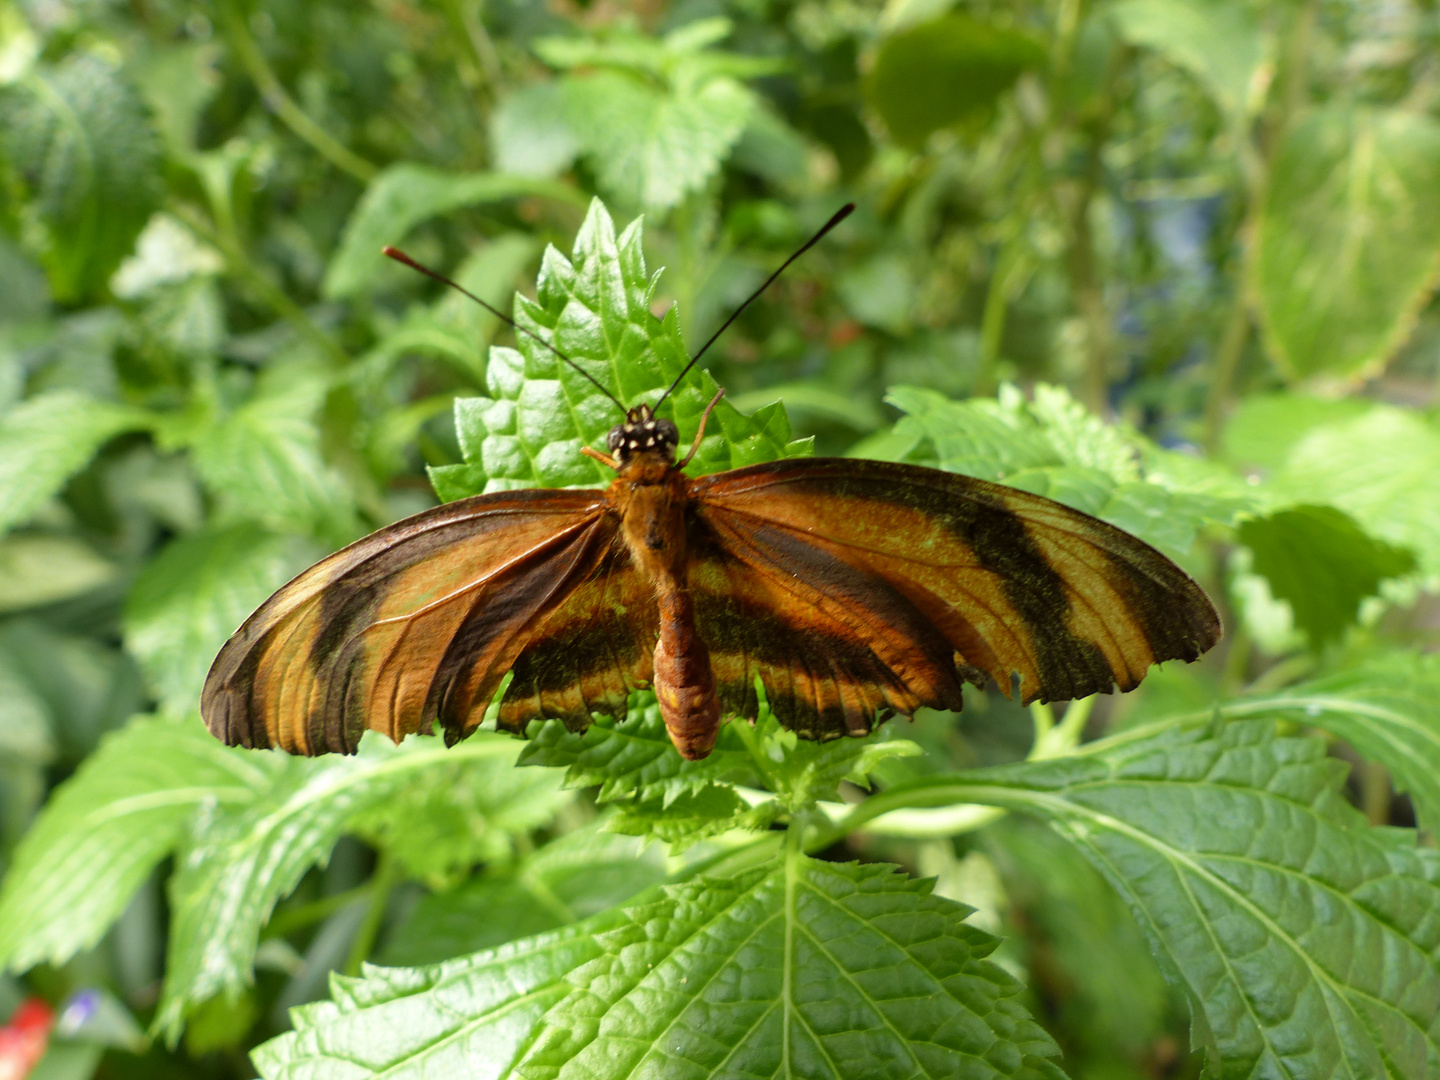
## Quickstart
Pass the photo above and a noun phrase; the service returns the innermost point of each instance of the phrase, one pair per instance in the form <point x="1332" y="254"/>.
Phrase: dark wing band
<point x="909" y="579"/>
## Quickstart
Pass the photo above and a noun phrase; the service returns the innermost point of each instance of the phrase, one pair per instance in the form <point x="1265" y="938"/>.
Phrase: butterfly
<point x="852" y="590"/>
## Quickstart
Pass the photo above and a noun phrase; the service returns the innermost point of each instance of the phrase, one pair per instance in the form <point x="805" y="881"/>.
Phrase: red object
<point x="24" y="1039"/>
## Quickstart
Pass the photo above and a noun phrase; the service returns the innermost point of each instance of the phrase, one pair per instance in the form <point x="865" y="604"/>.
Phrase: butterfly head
<point x="643" y="433"/>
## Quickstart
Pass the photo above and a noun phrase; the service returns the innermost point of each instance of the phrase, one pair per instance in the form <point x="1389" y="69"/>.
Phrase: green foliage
<point x="79" y="143"/>
<point x="1348" y="239"/>
<point x="1193" y="246"/>
<point x="1320" y="562"/>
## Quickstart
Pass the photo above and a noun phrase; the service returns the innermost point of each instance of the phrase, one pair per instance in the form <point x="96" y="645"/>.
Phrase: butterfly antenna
<point x="400" y="257"/>
<point x="840" y="215"/>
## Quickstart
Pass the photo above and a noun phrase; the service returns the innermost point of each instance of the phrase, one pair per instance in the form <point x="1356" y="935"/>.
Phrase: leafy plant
<point x="1169" y="262"/>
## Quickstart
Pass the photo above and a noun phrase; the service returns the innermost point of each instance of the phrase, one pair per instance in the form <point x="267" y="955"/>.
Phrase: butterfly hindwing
<point x="423" y="619"/>
<point x="900" y="581"/>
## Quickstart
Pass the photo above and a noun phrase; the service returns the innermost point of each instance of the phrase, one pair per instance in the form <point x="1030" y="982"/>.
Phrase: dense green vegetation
<point x="1168" y="261"/>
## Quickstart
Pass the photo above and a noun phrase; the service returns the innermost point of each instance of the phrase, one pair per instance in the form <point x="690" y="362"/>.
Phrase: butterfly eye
<point x="665" y="431"/>
<point x="616" y="436"/>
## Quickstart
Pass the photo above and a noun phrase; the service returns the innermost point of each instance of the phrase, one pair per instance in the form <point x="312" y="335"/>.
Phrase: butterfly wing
<point x="422" y="620"/>
<point x="854" y="586"/>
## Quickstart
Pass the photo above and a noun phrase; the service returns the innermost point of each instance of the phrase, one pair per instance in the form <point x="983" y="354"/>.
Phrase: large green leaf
<point x="107" y="827"/>
<point x="195" y="594"/>
<point x="1053" y="447"/>
<point x="540" y="412"/>
<point x="46" y="440"/>
<point x="1217" y="41"/>
<point x="801" y="968"/>
<point x="80" y="142"/>
<point x="946" y="71"/>
<point x="264" y="463"/>
<point x="242" y="862"/>
<point x="403" y="196"/>
<point x="1320" y="562"/>
<point x="1348" y="242"/>
<point x="655" y="119"/>
<point x="1305" y="940"/>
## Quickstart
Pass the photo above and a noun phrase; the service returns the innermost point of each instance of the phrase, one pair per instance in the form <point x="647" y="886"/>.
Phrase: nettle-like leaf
<point x="1305" y="940"/>
<point x="800" y="968"/>
<point x="1053" y="447"/>
<point x="193" y="595"/>
<point x="655" y="118"/>
<point x="241" y="863"/>
<point x="574" y="877"/>
<point x="79" y="141"/>
<point x="1320" y="562"/>
<point x="1348" y="239"/>
<point x="403" y="196"/>
<point x="47" y="440"/>
<point x="1388" y="708"/>
<point x="108" y="826"/>
<point x="540" y="412"/>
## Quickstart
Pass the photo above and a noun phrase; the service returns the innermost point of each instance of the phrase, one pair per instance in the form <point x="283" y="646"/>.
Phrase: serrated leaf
<point x="540" y="412"/>
<point x="571" y="878"/>
<point x="1380" y="469"/>
<point x="803" y="968"/>
<point x="1304" y="939"/>
<point x="1051" y="446"/>
<point x="1321" y="563"/>
<point x="693" y="816"/>
<point x="403" y="196"/>
<point x="240" y="864"/>
<point x="105" y="829"/>
<point x="635" y="758"/>
<point x="80" y="141"/>
<point x="466" y="812"/>
<point x="46" y="440"/>
<point x="946" y="71"/>
<point x="1348" y="242"/>
<point x="1388" y="708"/>
<point x="471" y="1017"/>
<point x="195" y="594"/>
<point x="264" y="463"/>
<point x="1217" y="41"/>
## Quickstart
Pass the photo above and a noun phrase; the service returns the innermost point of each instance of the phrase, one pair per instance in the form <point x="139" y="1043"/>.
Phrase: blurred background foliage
<point x="1214" y="221"/>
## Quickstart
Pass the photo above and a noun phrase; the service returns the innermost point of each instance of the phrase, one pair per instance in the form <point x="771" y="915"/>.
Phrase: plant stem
<point x="1227" y="363"/>
<point x="1375" y="792"/>
<point x="482" y="65"/>
<point x="1009" y="270"/>
<point x="281" y="104"/>
<point x="387" y="875"/>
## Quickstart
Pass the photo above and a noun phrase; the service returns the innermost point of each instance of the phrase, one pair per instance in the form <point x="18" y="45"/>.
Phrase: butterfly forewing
<point x="417" y="622"/>
<point x="885" y="582"/>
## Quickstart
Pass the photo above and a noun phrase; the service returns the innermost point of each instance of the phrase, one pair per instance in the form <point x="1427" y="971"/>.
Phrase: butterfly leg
<point x="603" y="458"/>
<point x="700" y="434"/>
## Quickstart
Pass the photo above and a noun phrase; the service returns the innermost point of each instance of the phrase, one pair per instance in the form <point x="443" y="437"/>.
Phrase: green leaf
<point x="451" y="1019"/>
<point x="466" y="812"/>
<point x="194" y="595"/>
<point x="1387" y="708"/>
<point x="1051" y="446"/>
<point x="47" y="440"/>
<point x="947" y="71"/>
<point x="1303" y="938"/>
<point x="105" y="829"/>
<point x="1217" y="41"/>
<point x="1348" y="241"/>
<point x="693" y="816"/>
<point x="635" y="757"/>
<point x="571" y="878"/>
<point x="241" y="863"/>
<point x="529" y="133"/>
<point x="540" y="411"/>
<point x="38" y="569"/>
<point x="79" y="140"/>
<point x="403" y="196"/>
<point x="802" y="968"/>
<point x="1264" y="428"/>
<point x="264" y="463"/>
<point x="1321" y="563"/>
<point x="1379" y="468"/>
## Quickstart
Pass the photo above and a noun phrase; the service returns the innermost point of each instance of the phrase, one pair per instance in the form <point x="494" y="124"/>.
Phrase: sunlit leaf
<point x="1218" y="41"/>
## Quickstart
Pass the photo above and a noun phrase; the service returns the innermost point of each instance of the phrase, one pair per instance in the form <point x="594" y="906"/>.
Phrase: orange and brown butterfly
<point x="852" y="589"/>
